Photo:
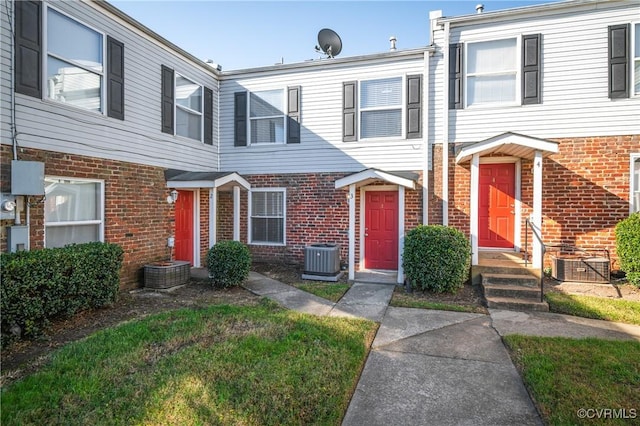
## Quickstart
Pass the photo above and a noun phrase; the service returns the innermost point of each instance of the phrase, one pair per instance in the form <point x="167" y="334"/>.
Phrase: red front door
<point x="381" y="230"/>
<point x="184" y="226"/>
<point x="496" y="207"/>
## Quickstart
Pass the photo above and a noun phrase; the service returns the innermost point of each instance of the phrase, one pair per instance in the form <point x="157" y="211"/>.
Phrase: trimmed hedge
<point x="628" y="247"/>
<point x="228" y="263"/>
<point x="39" y="285"/>
<point x="436" y="258"/>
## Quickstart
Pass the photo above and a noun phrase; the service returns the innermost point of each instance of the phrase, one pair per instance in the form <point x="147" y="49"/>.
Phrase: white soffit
<point x="511" y="144"/>
<point x="368" y="176"/>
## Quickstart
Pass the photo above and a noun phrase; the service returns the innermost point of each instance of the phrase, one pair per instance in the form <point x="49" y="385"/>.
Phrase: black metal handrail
<point x="543" y="249"/>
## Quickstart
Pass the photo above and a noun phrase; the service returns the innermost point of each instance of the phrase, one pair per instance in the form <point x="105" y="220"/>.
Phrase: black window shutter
<point x="619" y="61"/>
<point x="208" y="116"/>
<point x="240" y="119"/>
<point x="531" y="69"/>
<point x="455" y="76"/>
<point x="414" y="106"/>
<point x="167" y="99"/>
<point x="293" y="115"/>
<point x="349" y="114"/>
<point x="115" y="78"/>
<point x="28" y="48"/>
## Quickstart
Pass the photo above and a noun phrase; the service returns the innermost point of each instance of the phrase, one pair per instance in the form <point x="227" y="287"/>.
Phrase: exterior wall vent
<point x="322" y="259"/>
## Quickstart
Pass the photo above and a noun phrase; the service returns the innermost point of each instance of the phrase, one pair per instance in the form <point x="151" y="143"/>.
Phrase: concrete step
<point x="514" y="304"/>
<point x="510" y="279"/>
<point x="514" y="291"/>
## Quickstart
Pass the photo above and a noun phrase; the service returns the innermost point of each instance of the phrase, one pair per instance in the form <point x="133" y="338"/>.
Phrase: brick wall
<point x="137" y="216"/>
<point x="316" y="213"/>
<point x="585" y="191"/>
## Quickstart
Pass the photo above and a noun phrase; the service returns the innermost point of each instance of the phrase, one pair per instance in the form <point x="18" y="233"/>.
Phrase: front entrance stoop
<point x="513" y="289"/>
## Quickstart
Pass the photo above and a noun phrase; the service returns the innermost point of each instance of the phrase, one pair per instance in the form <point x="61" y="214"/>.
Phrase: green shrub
<point x="39" y="285"/>
<point x="228" y="263"/>
<point x="436" y="258"/>
<point x="628" y="247"/>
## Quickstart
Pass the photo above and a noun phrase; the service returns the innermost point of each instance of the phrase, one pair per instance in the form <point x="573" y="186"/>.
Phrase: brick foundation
<point x="137" y="216"/>
<point x="585" y="191"/>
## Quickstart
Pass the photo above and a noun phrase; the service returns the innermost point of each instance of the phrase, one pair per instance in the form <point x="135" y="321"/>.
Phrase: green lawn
<point x="327" y="290"/>
<point x="218" y="365"/>
<point x="574" y="381"/>
<point x="595" y="307"/>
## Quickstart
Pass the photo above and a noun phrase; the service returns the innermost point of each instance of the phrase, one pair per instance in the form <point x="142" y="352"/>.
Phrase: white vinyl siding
<point x="267" y="216"/>
<point x="266" y="117"/>
<point x="381" y="108"/>
<point x="574" y="103"/>
<point x="74" y="62"/>
<point x="635" y="182"/>
<point x="73" y="211"/>
<point x="492" y="72"/>
<point x="188" y="104"/>
<point x="321" y="148"/>
<point x="59" y="127"/>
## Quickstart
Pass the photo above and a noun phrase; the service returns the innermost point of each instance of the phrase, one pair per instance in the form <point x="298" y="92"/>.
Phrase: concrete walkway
<point x="438" y="367"/>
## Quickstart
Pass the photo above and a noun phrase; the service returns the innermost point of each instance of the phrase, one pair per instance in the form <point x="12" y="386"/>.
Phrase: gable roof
<point x="508" y="143"/>
<point x="406" y="179"/>
<point x="221" y="180"/>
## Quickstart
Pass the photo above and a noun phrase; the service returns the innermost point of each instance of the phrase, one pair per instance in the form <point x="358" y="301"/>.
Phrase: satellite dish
<point x="329" y="43"/>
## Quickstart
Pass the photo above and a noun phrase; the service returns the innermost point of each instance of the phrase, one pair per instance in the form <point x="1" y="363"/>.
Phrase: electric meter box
<point x="27" y="177"/>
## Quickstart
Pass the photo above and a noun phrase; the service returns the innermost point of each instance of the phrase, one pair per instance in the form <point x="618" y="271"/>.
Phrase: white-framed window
<point x="189" y="103"/>
<point x="381" y="107"/>
<point x="267" y="216"/>
<point x="491" y="72"/>
<point x="74" y="62"/>
<point x="636" y="59"/>
<point x="73" y="211"/>
<point x="635" y="183"/>
<point x="267" y="117"/>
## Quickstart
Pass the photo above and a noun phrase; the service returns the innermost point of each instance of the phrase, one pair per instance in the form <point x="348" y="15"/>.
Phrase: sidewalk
<point x="438" y="367"/>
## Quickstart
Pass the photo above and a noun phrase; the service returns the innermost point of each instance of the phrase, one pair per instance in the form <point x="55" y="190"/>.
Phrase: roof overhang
<point x="365" y="177"/>
<point x="511" y="144"/>
<point x="223" y="181"/>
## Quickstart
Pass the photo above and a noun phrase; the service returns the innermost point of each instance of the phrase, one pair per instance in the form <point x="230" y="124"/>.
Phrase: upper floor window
<point x="267" y="216"/>
<point x="266" y="117"/>
<point x="381" y="108"/>
<point x="188" y="108"/>
<point x="75" y="66"/>
<point x="496" y="72"/>
<point x="492" y="72"/>
<point x="636" y="59"/>
<point x="635" y="183"/>
<point x="82" y="67"/>
<point x="73" y="211"/>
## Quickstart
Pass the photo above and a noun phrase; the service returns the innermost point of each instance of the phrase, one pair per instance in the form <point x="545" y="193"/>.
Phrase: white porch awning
<point x="223" y="181"/>
<point x="508" y="143"/>
<point x="367" y="176"/>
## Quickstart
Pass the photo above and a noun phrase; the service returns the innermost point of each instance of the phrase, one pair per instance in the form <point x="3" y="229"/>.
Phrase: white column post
<point x="400" y="279"/>
<point x="213" y="204"/>
<point x="351" y="198"/>
<point x="473" y="207"/>
<point x="236" y="213"/>
<point x="536" y="216"/>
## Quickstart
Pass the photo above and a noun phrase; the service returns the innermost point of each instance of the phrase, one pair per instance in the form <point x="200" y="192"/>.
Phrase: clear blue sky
<point x="245" y="34"/>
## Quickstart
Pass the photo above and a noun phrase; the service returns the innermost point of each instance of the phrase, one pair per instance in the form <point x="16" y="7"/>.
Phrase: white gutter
<point x="445" y="128"/>
<point x="426" y="142"/>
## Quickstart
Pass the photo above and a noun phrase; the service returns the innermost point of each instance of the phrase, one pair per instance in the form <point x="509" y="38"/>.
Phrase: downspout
<point x="14" y="136"/>
<point x="445" y="129"/>
<point x="426" y="143"/>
